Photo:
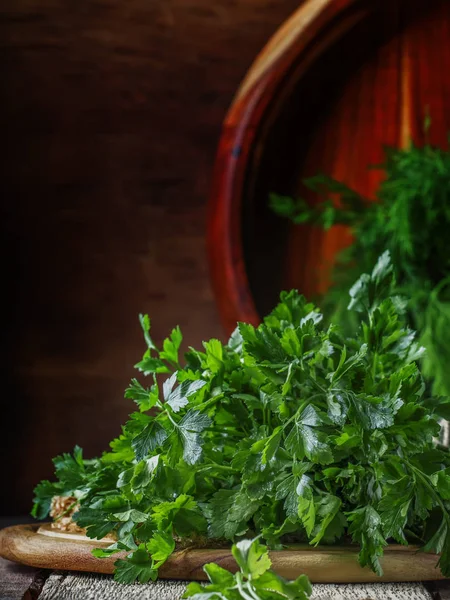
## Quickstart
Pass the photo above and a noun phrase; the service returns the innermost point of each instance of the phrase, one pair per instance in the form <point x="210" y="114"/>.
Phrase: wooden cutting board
<point x="40" y="546"/>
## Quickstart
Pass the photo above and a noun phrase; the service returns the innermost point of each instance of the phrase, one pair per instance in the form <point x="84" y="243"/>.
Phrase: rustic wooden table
<point x="18" y="582"/>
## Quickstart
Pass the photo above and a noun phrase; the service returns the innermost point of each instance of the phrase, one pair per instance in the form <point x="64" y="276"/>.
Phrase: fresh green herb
<point x="411" y="219"/>
<point x="254" y="580"/>
<point x="292" y="431"/>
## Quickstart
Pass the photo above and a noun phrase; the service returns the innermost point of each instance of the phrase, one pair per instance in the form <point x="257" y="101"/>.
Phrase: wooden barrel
<point x="338" y="81"/>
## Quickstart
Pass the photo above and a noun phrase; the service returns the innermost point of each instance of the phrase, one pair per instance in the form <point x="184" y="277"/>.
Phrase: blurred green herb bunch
<point x="411" y="219"/>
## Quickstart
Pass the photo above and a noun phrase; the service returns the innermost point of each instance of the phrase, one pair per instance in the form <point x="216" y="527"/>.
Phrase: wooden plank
<point x="373" y="591"/>
<point x="60" y="586"/>
<point x="86" y="587"/>
<point x="331" y="564"/>
<point x="440" y="590"/>
<point x="19" y="582"/>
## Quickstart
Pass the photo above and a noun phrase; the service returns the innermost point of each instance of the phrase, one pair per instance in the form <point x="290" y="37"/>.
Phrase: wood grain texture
<point x="383" y="102"/>
<point x="97" y="587"/>
<point x="67" y="586"/>
<point x="240" y="129"/>
<point x="18" y="582"/>
<point x="25" y="544"/>
<point x="336" y="83"/>
<point x="111" y="113"/>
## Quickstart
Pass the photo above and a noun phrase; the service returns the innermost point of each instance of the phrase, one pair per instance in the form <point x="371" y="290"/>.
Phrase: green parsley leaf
<point x="304" y="440"/>
<point x="150" y="438"/>
<point x="137" y="566"/>
<point x="171" y="346"/>
<point x="179" y="397"/>
<point x="145" y="398"/>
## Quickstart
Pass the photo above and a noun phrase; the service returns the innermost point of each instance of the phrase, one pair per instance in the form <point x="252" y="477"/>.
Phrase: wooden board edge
<point x="23" y="544"/>
<point x="49" y="531"/>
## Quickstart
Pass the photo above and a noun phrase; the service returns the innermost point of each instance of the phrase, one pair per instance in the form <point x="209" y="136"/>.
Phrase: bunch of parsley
<point x="411" y="219"/>
<point x="292" y="431"/>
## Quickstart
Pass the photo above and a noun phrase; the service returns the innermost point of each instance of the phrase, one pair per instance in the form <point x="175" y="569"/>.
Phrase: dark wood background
<point x="110" y="114"/>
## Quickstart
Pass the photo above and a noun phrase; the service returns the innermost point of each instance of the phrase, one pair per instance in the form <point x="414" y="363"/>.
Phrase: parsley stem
<point x="172" y="420"/>
<point x="163" y="407"/>
<point x="207" y="403"/>
<point x="216" y="466"/>
<point x="240" y="586"/>
<point x="297" y="412"/>
<point x="252" y="592"/>
<point x="318" y="386"/>
<point x="374" y="365"/>
<point x="66" y="512"/>
<point x="223" y="429"/>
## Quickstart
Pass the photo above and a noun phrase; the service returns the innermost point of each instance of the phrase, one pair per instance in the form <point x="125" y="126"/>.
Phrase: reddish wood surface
<point x="351" y="77"/>
<point x="327" y="564"/>
<point x="239" y="131"/>
<point x="383" y="103"/>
